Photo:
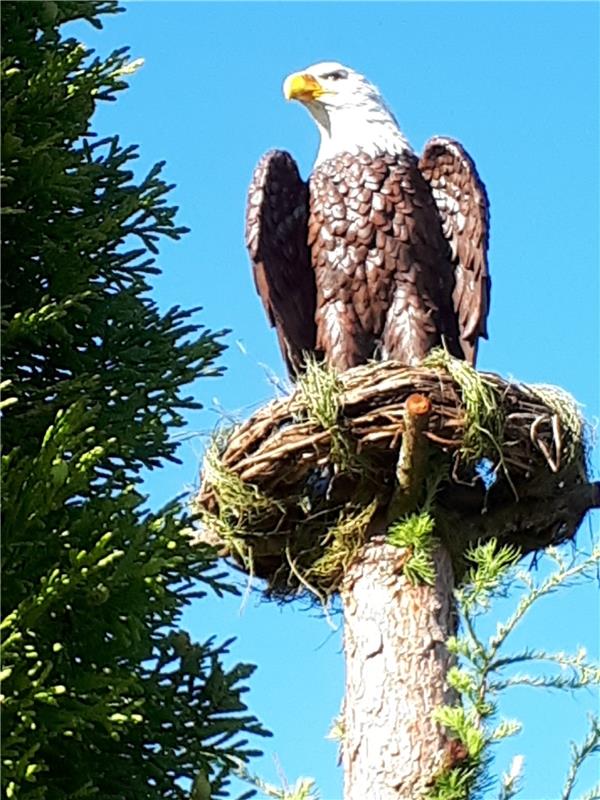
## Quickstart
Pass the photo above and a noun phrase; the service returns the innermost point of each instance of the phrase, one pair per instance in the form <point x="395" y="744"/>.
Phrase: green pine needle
<point x="415" y="533"/>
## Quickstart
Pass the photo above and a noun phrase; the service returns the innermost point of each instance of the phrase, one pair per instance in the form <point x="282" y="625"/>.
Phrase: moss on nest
<point x="339" y="546"/>
<point x="291" y="493"/>
<point x="484" y="414"/>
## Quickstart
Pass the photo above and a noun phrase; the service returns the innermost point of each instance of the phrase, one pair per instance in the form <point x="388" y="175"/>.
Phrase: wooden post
<point x="395" y="645"/>
<point x="396" y="664"/>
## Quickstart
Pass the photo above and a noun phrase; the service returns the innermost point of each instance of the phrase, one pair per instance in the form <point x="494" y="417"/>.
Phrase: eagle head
<point x="349" y="110"/>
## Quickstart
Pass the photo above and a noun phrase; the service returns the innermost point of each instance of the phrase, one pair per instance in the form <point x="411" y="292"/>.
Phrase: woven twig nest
<point x="289" y="494"/>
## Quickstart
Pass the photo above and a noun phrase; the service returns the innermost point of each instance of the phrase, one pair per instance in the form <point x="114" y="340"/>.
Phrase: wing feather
<point x="276" y="237"/>
<point x="464" y="211"/>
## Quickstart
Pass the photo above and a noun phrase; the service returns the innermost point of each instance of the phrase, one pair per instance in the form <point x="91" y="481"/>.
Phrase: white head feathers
<point x="349" y="111"/>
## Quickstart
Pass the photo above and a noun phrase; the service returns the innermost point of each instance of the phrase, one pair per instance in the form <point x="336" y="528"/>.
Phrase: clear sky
<point x="517" y="83"/>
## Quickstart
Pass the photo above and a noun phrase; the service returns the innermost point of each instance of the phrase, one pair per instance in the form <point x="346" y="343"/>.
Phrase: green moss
<point x="318" y="395"/>
<point x="340" y="545"/>
<point x="568" y="411"/>
<point x="484" y="418"/>
<point x="239" y="502"/>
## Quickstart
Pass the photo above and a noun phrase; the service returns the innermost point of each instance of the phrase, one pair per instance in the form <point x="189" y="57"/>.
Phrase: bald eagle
<point x="381" y="254"/>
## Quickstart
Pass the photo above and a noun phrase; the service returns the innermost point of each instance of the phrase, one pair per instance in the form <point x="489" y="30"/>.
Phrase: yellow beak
<point x="303" y="87"/>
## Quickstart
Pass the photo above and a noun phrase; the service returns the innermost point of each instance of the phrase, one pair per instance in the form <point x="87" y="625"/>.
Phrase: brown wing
<point x="464" y="210"/>
<point x="276" y="237"/>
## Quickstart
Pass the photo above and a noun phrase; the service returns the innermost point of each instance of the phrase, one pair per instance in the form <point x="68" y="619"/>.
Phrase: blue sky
<point x="518" y="85"/>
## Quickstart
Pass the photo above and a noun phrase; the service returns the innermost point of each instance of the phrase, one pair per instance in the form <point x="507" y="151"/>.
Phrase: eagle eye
<point x="336" y="75"/>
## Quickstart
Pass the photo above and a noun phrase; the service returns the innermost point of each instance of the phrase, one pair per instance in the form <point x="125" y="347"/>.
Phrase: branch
<point x="562" y="660"/>
<point x="410" y="470"/>
<point x="543" y="682"/>
<point x="565" y="575"/>
<point x="588" y="747"/>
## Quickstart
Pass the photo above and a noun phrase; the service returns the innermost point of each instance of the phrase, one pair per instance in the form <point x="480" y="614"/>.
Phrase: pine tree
<point x="103" y="694"/>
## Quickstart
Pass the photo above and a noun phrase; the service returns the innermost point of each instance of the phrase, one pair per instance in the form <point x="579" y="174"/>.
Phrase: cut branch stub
<point x="410" y="469"/>
<point x="512" y="463"/>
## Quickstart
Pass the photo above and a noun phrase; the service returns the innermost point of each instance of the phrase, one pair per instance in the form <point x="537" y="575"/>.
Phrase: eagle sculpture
<point x="381" y="254"/>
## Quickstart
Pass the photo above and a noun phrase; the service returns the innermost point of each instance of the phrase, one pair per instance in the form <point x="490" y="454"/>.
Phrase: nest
<point x="292" y="493"/>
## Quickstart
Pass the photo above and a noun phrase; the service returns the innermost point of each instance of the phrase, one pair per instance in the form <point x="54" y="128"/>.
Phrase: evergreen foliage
<point x="415" y="531"/>
<point x="103" y="694"/>
<point x="303" y="788"/>
<point x="485" y="668"/>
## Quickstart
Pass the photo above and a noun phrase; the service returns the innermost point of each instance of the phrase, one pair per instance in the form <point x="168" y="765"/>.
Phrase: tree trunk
<point x="396" y="665"/>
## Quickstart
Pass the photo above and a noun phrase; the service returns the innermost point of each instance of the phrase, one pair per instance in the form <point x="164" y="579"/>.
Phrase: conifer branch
<point x="579" y="754"/>
<point x="478" y="676"/>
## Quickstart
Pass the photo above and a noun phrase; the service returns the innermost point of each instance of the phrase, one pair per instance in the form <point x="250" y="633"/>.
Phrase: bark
<point x="412" y="461"/>
<point x="396" y="665"/>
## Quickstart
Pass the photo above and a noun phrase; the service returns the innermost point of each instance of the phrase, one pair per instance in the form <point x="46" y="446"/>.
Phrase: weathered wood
<point x="396" y="666"/>
<point x="410" y="469"/>
<point x="280" y="452"/>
